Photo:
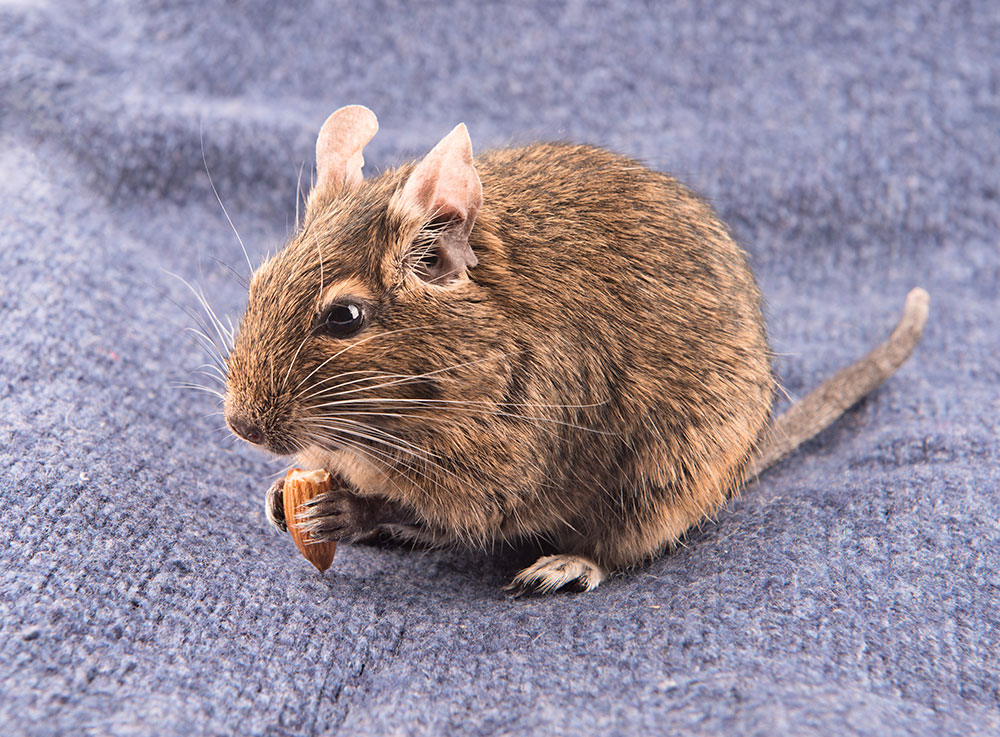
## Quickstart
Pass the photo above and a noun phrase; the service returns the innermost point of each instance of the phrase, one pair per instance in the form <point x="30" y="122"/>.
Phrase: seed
<point x="301" y="486"/>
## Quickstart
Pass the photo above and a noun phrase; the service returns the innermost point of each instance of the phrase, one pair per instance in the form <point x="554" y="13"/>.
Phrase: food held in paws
<point x="300" y="487"/>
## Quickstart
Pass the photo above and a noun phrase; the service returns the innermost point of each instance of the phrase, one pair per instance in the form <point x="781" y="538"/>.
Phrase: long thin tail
<point x="818" y="409"/>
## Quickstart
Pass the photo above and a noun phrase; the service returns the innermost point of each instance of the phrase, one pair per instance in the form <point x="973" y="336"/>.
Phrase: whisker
<point x="204" y="343"/>
<point x="383" y="375"/>
<point x="462" y="402"/>
<point x="308" y="335"/>
<point x="370" y="454"/>
<point x="225" y="337"/>
<point x="225" y="212"/>
<point x="211" y="345"/>
<point x="239" y="278"/>
<point x="209" y="342"/>
<point x="197" y="387"/>
<point x="358" y="432"/>
<point x="483" y="411"/>
<point x="417" y="377"/>
<point x="194" y="316"/>
<point x="425" y="457"/>
<point x="298" y="202"/>
<point x="386" y="434"/>
<point x="213" y="372"/>
<point x="354" y="345"/>
<point x="391" y="462"/>
<point x="294" y="359"/>
<point x="365" y="436"/>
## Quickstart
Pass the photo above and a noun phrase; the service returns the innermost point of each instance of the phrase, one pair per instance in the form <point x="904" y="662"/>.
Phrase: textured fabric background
<point x="853" y="590"/>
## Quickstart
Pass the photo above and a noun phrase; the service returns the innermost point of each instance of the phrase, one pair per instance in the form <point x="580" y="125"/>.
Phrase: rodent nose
<point x="245" y="429"/>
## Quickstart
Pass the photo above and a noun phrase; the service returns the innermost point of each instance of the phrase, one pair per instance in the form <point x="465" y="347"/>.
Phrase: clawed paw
<point x="336" y="515"/>
<point x="552" y="572"/>
<point x="274" y="505"/>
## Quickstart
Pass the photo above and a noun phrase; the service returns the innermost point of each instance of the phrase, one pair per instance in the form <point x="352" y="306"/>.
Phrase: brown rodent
<point x="550" y="342"/>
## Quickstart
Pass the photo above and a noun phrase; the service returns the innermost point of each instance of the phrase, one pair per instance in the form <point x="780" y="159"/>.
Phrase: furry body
<point x="550" y="342"/>
<point x="600" y="381"/>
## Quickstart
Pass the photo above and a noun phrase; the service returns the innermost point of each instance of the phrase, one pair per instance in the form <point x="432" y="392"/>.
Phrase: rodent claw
<point x="274" y="505"/>
<point x="334" y="516"/>
<point x="552" y="572"/>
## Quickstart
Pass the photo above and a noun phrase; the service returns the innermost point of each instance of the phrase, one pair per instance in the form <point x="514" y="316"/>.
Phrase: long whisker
<point x="212" y="371"/>
<point x="382" y="375"/>
<point x="225" y="212"/>
<point x="359" y="433"/>
<point x="392" y="463"/>
<point x="197" y="387"/>
<point x="417" y="377"/>
<point x="366" y="436"/>
<point x="195" y="317"/>
<point x="402" y="378"/>
<point x="361" y="400"/>
<point x="383" y="433"/>
<point x="225" y="336"/>
<point x="236" y="275"/>
<point x="480" y="410"/>
<point x="294" y="359"/>
<point x="319" y="250"/>
<point x="220" y="385"/>
<point x="298" y="202"/>
<point x="374" y="455"/>
<point x="205" y="343"/>
<point x="354" y="345"/>
<point x="318" y="438"/>
<point x="363" y="431"/>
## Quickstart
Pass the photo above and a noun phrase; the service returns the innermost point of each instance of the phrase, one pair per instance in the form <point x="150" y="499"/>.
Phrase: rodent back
<point x="630" y="282"/>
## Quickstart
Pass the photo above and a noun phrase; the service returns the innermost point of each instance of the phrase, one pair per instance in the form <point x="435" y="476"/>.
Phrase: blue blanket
<point x="854" y="148"/>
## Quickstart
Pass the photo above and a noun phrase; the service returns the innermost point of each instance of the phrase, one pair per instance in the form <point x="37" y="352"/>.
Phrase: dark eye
<point x="341" y="320"/>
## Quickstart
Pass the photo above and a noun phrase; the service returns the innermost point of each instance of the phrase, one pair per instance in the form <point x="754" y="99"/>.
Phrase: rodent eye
<point x="341" y="320"/>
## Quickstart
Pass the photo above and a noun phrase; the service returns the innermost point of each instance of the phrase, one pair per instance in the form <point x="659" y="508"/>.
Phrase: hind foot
<point x="552" y="572"/>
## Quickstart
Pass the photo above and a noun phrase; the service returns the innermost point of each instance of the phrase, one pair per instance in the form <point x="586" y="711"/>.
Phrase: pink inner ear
<point x="446" y="183"/>
<point x="339" y="147"/>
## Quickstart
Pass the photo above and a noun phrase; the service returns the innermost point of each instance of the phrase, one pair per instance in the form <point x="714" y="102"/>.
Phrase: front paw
<point x="274" y="505"/>
<point x="338" y="515"/>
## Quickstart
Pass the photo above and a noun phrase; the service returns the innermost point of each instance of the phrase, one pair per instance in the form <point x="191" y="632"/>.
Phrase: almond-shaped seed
<point x="301" y="486"/>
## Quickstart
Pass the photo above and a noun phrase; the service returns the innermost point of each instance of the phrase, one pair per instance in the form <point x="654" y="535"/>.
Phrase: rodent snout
<point x="244" y="428"/>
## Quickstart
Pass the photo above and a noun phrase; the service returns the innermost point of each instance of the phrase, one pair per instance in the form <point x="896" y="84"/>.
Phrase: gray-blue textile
<point x="854" y="149"/>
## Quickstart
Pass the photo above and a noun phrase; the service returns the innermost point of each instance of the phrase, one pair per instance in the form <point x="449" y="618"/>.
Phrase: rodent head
<point x="370" y="299"/>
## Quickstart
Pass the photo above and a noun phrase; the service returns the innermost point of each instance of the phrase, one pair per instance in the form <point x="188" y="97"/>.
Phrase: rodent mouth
<point x="280" y="448"/>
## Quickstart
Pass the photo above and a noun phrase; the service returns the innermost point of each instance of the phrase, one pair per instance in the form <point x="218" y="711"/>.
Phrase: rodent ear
<point x="339" y="145"/>
<point x="446" y="189"/>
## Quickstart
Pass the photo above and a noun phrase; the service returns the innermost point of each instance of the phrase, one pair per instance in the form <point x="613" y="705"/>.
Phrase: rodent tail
<point x="818" y="409"/>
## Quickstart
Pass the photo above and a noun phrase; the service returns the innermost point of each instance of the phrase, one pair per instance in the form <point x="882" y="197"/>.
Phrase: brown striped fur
<point x="604" y="374"/>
